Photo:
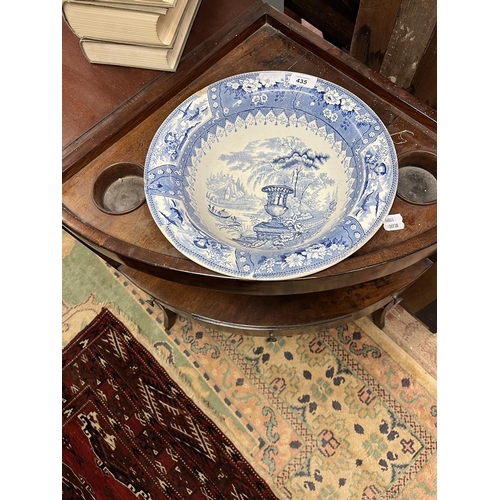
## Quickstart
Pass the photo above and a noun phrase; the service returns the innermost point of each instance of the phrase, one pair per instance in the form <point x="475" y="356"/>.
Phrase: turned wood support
<point x="169" y="317"/>
<point x="378" y="317"/>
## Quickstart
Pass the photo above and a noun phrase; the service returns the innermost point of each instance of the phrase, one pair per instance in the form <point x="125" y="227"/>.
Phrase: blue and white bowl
<point x="270" y="175"/>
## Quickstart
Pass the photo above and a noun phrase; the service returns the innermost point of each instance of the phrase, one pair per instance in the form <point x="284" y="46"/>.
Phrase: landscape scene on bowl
<point x="275" y="192"/>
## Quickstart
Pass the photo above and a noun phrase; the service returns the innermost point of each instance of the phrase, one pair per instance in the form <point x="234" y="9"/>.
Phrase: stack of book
<point x="149" y="34"/>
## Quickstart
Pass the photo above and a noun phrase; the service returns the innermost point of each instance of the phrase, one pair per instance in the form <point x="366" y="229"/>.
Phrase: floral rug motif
<point x="342" y="414"/>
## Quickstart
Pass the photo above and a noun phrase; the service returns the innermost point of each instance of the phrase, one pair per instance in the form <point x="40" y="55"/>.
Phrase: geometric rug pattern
<point x="129" y="431"/>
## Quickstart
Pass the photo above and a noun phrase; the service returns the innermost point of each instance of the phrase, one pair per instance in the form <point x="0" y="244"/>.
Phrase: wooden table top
<point x="122" y="127"/>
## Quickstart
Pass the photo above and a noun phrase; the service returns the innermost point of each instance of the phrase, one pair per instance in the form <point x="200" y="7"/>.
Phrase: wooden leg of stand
<point x="378" y="317"/>
<point x="271" y="337"/>
<point x="169" y="316"/>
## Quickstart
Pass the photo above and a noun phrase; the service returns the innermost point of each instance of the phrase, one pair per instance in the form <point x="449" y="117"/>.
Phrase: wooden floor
<point x="412" y="324"/>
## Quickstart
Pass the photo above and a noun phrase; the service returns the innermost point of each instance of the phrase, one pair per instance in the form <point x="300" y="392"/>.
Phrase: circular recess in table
<point x="119" y="188"/>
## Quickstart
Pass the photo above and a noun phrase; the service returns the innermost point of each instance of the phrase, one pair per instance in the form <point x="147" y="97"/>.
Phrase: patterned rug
<point x="342" y="414"/>
<point x="129" y="431"/>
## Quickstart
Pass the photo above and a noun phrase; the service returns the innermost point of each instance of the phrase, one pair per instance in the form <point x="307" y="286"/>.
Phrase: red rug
<point x="130" y="432"/>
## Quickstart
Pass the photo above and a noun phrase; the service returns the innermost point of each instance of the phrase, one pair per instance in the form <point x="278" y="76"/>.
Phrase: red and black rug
<point x="129" y="431"/>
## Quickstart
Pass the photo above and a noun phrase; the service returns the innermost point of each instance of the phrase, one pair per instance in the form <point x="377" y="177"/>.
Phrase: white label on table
<point x="393" y="218"/>
<point x="394" y="226"/>
<point x="307" y="81"/>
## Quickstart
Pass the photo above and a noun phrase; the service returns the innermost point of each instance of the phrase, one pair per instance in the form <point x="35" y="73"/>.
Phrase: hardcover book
<point x="123" y="24"/>
<point x="140" y="55"/>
